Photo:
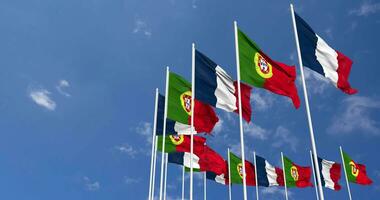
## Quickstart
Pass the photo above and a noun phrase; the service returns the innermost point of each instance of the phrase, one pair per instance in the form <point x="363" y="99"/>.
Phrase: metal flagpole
<point x="154" y="166"/>
<point x="229" y="175"/>
<point x="315" y="181"/>
<point x="283" y="168"/>
<point x="204" y="186"/>
<point x="240" y="110"/>
<point x="164" y="132"/>
<point x="166" y="174"/>
<point x="153" y="144"/>
<point x="345" y="172"/>
<point x="192" y="118"/>
<point x="183" y="182"/>
<point x="257" y="183"/>
<point x="314" y="148"/>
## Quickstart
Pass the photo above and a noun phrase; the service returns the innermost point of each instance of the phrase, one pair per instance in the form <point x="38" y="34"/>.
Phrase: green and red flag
<point x="179" y="106"/>
<point x="181" y="143"/>
<point x="356" y="173"/>
<point x="236" y="169"/>
<point x="295" y="175"/>
<point x="259" y="70"/>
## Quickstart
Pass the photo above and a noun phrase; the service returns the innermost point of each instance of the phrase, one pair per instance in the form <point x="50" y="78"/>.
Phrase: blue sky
<point x="77" y="88"/>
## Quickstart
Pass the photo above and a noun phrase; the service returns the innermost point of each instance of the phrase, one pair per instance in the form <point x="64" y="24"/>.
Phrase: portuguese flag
<point x="259" y="70"/>
<point x="236" y="168"/>
<point x="295" y="175"/>
<point x="356" y="173"/>
<point x="179" y="106"/>
<point x="181" y="143"/>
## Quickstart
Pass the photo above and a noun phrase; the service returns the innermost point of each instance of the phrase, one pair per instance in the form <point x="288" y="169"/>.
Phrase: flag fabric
<point x="215" y="87"/>
<point x="259" y="70"/>
<point x="267" y="175"/>
<point x="181" y="143"/>
<point x="179" y="106"/>
<point x="212" y="161"/>
<point x="356" y="173"/>
<point x="222" y="178"/>
<point x="184" y="159"/>
<point x="236" y="170"/>
<point x="321" y="58"/>
<point x="296" y="176"/>
<point x="330" y="171"/>
<point x="172" y="127"/>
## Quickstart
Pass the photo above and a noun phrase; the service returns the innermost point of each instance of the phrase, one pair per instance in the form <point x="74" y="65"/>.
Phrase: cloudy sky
<point x="77" y="86"/>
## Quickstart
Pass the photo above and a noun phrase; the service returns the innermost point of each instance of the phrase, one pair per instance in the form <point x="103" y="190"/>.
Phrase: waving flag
<point x="215" y="87"/>
<point x="330" y="171"/>
<point x="184" y="159"/>
<point x="179" y="106"/>
<point x="257" y="69"/>
<point x="222" y="179"/>
<point x="296" y="176"/>
<point x="181" y="143"/>
<point x="356" y="173"/>
<point x="267" y="175"/>
<point x="236" y="168"/>
<point x="212" y="161"/>
<point x="320" y="57"/>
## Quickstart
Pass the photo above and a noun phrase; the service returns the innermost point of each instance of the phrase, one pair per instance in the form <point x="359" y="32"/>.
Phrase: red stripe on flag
<point x="245" y="100"/>
<point x="362" y="177"/>
<point x="344" y="68"/>
<point x="335" y="175"/>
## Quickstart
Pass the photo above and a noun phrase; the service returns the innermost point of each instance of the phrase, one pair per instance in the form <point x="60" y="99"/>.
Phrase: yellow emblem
<point x="294" y="173"/>
<point x="176" y="139"/>
<point x="186" y="101"/>
<point x="354" y="169"/>
<point x="263" y="67"/>
<point x="239" y="168"/>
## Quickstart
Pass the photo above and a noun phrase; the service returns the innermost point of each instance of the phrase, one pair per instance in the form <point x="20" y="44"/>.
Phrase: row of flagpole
<point x="314" y="156"/>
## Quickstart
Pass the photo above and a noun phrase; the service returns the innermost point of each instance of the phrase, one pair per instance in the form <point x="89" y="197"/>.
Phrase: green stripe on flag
<point x="235" y="166"/>
<point x="179" y="99"/>
<point x="288" y="164"/>
<point x="347" y="160"/>
<point x="169" y="146"/>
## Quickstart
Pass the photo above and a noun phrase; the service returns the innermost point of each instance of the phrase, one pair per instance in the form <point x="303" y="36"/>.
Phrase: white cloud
<point x="130" y="180"/>
<point x="218" y="127"/>
<point x="255" y="131"/>
<point x="283" y="137"/>
<point x="274" y="191"/>
<point x="194" y="4"/>
<point x="366" y="8"/>
<point x="142" y="27"/>
<point x="262" y="100"/>
<point x="127" y="149"/>
<point x="91" y="185"/>
<point x="329" y="33"/>
<point x="315" y="82"/>
<point x="356" y="115"/>
<point x="145" y="129"/>
<point x="41" y="97"/>
<point x="62" y="84"/>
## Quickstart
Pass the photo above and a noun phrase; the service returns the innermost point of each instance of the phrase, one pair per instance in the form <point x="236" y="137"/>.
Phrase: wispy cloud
<point x="316" y="83"/>
<point x="127" y="149"/>
<point x="355" y="114"/>
<point x="145" y="129"/>
<point x="142" y="27"/>
<point x="261" y="100"/>
<point x="283" y="137"/>
<point x="42" y="98"/>
<point x="91" y="185"/>
<point x="366" y="8"/>
<point x="329" y="32"/>
<point x="256" y="131"/>
<point x="194" y="4"/>
<point x="62" y="85"/>
<point x="218" y="127"/>
<point x="130" y="180"/>
<point x="274" y="191"/>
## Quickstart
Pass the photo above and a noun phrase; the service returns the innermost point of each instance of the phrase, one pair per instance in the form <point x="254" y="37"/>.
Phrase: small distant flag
<point x="222" y="179"/>
<point x="296" y="176"/>
<point x="181" y="143"/>
<point x="259" y="70"/>
<point x="267" y="175"/>
<point x="215" y="87"/>
<point x="330" y="171"/>
<point x="184" y="158"/>
<point x="236" y="169"/>
<point x="321" y="58"/>
<point x="356" y="173"/>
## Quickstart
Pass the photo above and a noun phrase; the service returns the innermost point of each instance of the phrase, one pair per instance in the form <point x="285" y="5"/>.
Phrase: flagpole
<point x="229" y="175"/>
<point x="166" y="174"/>
<point x="283" y="168"/>
<point x="192" y="118"/>
<point x="257" y="183"/>
<point x="345" y="172"/>
<point x="183" y="182"/>
<point x="240" y="110"/>
<point x="154" y="166"/>
<point x="164" y="131"/>
<point x="314" y="148"/>
<point x="153" y="143"/>
<point x="204" y="186"/>
<point x="315" y="181"/>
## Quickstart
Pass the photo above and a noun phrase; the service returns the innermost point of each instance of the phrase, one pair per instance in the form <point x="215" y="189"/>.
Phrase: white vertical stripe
<point x="271" y="174"/>
<point x="328" y="58"/>
<point x="225" y="90"/>
<point x="183" y="129"/>
<point x="326" y="166"/>
<point x="186" y="160"/>
<point x="220" y="179"/>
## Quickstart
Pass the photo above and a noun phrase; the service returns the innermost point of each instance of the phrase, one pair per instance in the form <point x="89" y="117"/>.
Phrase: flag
<point x="356" y="173"/>
<point x="184" y="158"/>
<point x="259" y="70"/>
<point x="215" y="87"/>
<point x="321" y="58"/>
<point x="212" y="161"/>
<point x="296" y="176"/>
<point x="179" y="106"/>
<point x="267" y="175"/>
<point x="330" y="171"/>
<point x="181" y="143"/>
<point x="172" y="127"/>
<point x="222" y="178"/>
<point x="236" y="170"/>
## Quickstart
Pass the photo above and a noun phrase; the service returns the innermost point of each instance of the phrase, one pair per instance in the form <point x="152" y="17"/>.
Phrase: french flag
<point x="330" y="173"/>
<point x="216" y="88"/>
<point x="221" y="178"/>
<point x="321" y="58"/>
<point x="267" y="175"/>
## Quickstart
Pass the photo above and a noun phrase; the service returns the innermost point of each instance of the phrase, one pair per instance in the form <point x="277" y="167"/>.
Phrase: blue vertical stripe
<point x="160" y="118"/>
<point x="211" y="175"/>
<point x="320" y="169"/>
<point x="262" y="178"/>
<point x="205" y="79"/>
